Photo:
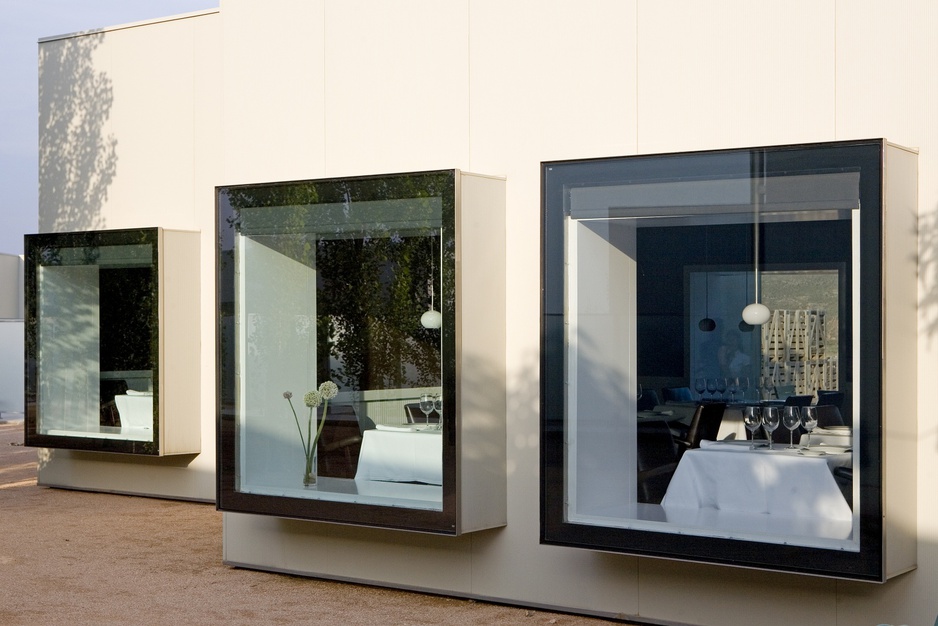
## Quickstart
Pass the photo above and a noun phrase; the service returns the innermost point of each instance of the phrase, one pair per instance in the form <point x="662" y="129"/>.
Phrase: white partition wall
<point x="306" y="89"/>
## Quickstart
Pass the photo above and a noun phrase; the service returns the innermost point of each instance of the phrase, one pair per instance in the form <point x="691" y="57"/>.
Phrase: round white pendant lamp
<point x="756" y="313"/>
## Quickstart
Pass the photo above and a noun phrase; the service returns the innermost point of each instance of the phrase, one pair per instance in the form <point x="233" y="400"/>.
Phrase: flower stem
<point x="300" y="430"/>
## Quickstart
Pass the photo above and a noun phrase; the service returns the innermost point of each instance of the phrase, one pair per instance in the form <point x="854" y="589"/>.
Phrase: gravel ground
<point x="73" y="557"/>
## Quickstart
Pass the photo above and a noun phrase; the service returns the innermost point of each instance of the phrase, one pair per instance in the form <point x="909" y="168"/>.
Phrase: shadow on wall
<point x="77" y="156"/>
<point x="928" y="301"/>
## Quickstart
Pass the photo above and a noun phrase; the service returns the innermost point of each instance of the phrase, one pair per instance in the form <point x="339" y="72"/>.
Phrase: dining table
<point x="410" y="453"/>
<point x="733" y="478"/>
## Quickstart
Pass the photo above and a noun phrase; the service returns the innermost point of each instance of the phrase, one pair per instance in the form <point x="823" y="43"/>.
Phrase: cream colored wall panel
<point x="151" y="69"/>
<point x="76" y="135"/>
<point x="548" y="80"/>
<point x="735" y="597"/>
<point x="924" y="600"/>
<point x="393" y="558"/>
<point x="152" y="92"/>
<point x="734" y="73"/>
<point x="880" y="65"/>
<point x="273" y="90"/>
<point x="396" y="85"/>
<point x="208" y="167"/>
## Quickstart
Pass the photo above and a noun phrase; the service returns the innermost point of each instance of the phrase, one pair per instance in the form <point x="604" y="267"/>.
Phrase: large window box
<point x="112" y="343"/>
<point x="649" y="263"/>
<point x="391" y="288"/>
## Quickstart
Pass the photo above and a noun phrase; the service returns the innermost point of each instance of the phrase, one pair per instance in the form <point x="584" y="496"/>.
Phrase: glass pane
<point x="661" y="365"/>
<point x="343" y="283"/>
<point x="96" y="340"/>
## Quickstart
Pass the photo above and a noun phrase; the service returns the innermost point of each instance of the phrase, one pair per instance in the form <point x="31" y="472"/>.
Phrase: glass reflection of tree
<point x="371" y="296"/>
<point x="373" y="277"/>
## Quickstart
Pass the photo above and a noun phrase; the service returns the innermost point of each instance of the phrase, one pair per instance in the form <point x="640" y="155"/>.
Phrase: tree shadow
<point x="77" y="154"/>
<point x="928" y="281"/>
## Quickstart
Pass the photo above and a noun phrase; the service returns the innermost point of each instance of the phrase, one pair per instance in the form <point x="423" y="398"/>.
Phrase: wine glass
<point x="438" y="405"/>
<point x="752" y="418"/>
<point x="721" y="387"/>
<point x="809" y="421"/>
<point x="700" y="385"/>
<point x="711" y="387"/>
<point x="768" y="386"/>
<point x="426" y="405"/>
<point x="771" y="418"/>
<point x="791" y="419"/>
<point x="744" y="386"/>
<point x="732" y="386"/>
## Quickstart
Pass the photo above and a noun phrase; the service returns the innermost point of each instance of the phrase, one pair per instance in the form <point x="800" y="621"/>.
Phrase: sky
<point x="22" y="24"/>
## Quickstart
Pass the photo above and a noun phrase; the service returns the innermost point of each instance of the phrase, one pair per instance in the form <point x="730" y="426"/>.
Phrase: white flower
<point x="328" y="390"/>
<point x="312" y="398"/>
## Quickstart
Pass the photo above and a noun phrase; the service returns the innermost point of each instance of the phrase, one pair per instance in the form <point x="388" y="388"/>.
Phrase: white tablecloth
<point x="733" y="479"/>
<point x="401" y="456"/>
<point x="135" y="410"/>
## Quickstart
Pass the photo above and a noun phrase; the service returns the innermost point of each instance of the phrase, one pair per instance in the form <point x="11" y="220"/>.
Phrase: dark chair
<point x="798" y="400"/>
<point x="783" y="391"/>
<point x="657" y="460"/>
<point x="829" y="415"/>
<point x="843" y="476"/>
<point x="365" y="423"/>
<point x="825" y="397"/>
<point x="677" y="394"/>
<point x="340" y="443"/>
<point x="648" y="400"/>
<point x="415" y="416"/>
<point x="704" y="425"/>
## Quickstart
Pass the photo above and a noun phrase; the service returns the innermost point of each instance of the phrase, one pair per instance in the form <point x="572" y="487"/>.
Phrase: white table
<point x="401" y="456"/>
<point x="731" y="478"/>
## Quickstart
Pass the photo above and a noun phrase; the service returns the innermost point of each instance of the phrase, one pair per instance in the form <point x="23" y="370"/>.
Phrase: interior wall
<point x="293" y="89"/>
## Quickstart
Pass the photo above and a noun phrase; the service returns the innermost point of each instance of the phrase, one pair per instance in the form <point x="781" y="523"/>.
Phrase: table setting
<point x="740" y="477"/>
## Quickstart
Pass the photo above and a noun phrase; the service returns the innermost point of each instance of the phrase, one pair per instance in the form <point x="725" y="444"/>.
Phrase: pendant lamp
<point x="707" y="324"/>
<point x="432" y="318"/>
<point x="756" y="313"/>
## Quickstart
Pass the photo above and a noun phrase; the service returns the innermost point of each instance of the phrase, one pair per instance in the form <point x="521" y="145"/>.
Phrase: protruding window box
<point x="649" y="263"/>
<point x="392" y="287"/>
<point x="112" y="341"/>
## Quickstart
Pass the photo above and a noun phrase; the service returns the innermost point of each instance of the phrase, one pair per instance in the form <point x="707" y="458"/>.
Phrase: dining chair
<point x="783" y="391"/>
<point x="704" y="425"/>
<point x="826" y="396"/>
<point x="414" y="415"/>
<point x="798" y="400"/>
<point x="829" y="415"/>
<point x="339" y="445"/>
<point x="657" y="460"/>
<point x="648" y="400"/>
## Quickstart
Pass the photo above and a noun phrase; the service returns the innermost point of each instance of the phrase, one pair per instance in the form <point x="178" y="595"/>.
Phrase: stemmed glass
<point x="771" y="417"/>
<point x="438" y="405"/>
<point x="752" y="418"/>
<point x="809" y="421"/>
<point x="711" y="386"/>
<point x="768" y="385"/>
<point x="700" y="385"/>
<point x="426" y="405"/>
<point x="791" y="420"/>
<point x="721" y="387"/>
<point x="733" y="387"/>
<point x="743" y="386"/>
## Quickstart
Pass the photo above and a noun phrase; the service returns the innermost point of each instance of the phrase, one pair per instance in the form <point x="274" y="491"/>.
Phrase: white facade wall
<point x="291" y="89"/>
<point x="130" y="132"/>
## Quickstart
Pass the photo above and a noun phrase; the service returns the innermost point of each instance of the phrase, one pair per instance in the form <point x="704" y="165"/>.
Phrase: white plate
<point x="823" y="450"/>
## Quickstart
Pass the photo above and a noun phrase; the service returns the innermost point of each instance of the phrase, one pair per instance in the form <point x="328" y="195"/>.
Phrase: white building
<point x="294" y="90"/>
